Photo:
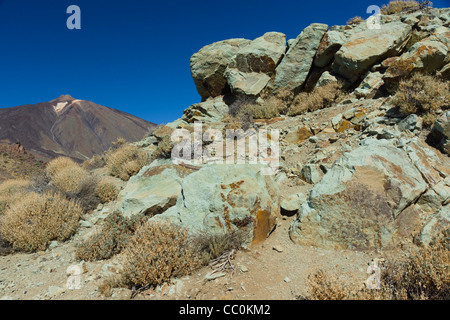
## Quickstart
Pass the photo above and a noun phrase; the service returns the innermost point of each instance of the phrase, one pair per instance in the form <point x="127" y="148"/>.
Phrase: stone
<point x="425" y="56"/>
<point x="301" y="134"/>
<point x="208" y="66"/>
<point x="278" y="248"/>
<point x="293" y="70"/>
<point x="252" y="67"/>
<point x="212" y="110"/>
<point x="445" y="72"/>
<point x="441" y="130"/>
<point x="311" y="173"/>
<point x="331" y="42"/>
<point x="220" y="199"/>
<point x="369" y="86"/>
<point x="368" y="47"/>
<point x="410" y="123"/>
<point x="292" y="203"/>
<point x="326" y="78"/>
<point x="358" y="201"/>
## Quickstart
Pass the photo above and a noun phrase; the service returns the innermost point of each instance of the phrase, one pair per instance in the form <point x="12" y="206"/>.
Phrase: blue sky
<point x="134" y="55"/>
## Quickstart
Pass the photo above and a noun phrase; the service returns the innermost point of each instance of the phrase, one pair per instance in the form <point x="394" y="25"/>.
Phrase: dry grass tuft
<point x="423" y="275"/>
<point x="355" y="20"/>
<point x="423" y="95"/>
<point x="319" y="98"/>
<point x="58" y="164"/>
<point x="11" y="191"/>
<point x="212" y="246"/>
<point x="70" y="179"/>
<point x="164" y="148"/>
<point x="399" y="6"/>
<point x="37" y="219"/>
<point x="158" y="251"/>
<point x="126" y="161"/>
<point x="107" y="190"/>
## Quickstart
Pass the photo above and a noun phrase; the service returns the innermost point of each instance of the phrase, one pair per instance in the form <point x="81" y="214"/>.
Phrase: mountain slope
<point x="67" y="126"/>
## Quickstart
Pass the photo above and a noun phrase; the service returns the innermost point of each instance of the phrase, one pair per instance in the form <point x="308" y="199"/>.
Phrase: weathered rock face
<point x="425" y="56"/>
<point x="441" y="130"/>
<point x="293" y="70"/>
<point x="223" y="198"/>
<point x="370" y="85"/>
<point x="212" y="110"/>
<point x="209" y="64"/>
<point x="366" y="48"/>
<point x="253" y="66"/>
<point x="331" y="42"/>
<point x="367" y="199"/>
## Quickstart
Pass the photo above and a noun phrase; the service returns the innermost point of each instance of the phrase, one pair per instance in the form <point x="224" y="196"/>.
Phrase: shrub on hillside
<point x="70" y="179"/>
<point x="12" y="190"/>
<point x="107" y="190"/>
<point x="126" y="161"/>
<point x="164" y="148"/>
<point x="111" y="239"/>
<point x="399" y="6"/>
<point x="319" y="98"/>
<point x="58" y="164"/>
<point x="355" y="20"/>
<point x="423" y="95"/>
<point x="212" y="246"/>
<point x="96" y="162"/>
<point x="37" y="219"/>
<point x="423" y="275"/>
<point x="158" y="251"/>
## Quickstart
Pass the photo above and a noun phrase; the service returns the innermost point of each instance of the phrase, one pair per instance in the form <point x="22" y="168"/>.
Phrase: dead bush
<point x="399" y="6"/>
<point x="12" y="190"/>
<point x="58" y="164"/>
<point x="355" y="20"/>
<point x="423" y="275"/>
<point x="112" y="238"/>
<point x="158" y="251"/>
<point x="96" y="162"/>
<point x="212" y="246"/>
<point x="164" y="148"/>
<point x="423" y="95"/>
<point x="69" y="179"/>
<point x="126" y="161"/>
<point x="37" y="219"/>
<point x="86" y="195"/>
<point x="319" y="98"/>
<point x="107" y="190"/>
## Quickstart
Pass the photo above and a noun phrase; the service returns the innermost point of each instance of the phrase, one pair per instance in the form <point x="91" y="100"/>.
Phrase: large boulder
<point x="293" y="70"/>
<point x="368" y="198"/>
<point x="331" y="42"/>
<point x="368" y="47"/>
<point x="212" y="110"/>
<point x="209" y="64"/>
<point x="441" y="131"/>
<point x="253" y="66"/>
<point x="224" y="198"/>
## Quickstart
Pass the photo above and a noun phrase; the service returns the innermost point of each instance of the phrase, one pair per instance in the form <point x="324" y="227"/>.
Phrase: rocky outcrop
<point x="254" y="64"/>
<point x="210" y="63"/>
<point x="224" y="198"/>
<point x="441" y="131"/>
<point x="293" y="70"/>
<point x="366" y="48"/>
<point x="368" y="197"/>
<point x="212" y="110"/>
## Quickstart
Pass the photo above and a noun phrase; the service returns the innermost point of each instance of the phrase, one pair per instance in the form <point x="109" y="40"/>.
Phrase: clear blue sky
<point x="134" y="55"/>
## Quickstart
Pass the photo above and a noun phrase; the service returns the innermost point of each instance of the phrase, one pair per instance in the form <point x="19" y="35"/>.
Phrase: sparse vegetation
<point x="164" y="148"/>
<point x="58" y="164"/>
<point x="111" y="239"/>
<point x="107" y="190"/>
<point x="212" y="246"/>
<point x="319" y="98"/>
<point x="399" y="6"/>
<point x="158" y="251"/>
<point x="70" y="179"/>
<point x="126" y="161"/>
<point x="355" y="20"/>
<point x="12" y="190"/>
<point x="37" y="219"/>
<point x="423" y="275"/>
<point x="423" y="95"/>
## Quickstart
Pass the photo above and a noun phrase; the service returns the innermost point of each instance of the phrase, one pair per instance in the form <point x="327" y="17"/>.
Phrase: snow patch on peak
<point x="59" y="107"/>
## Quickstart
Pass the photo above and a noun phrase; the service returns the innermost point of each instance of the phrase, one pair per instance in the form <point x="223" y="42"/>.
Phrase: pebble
<point x="287" y="280"/>
<point x="278" y="248"/>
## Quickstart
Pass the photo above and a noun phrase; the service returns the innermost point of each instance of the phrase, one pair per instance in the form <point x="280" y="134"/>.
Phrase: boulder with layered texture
<point x="366" y="48"/>
<point x="210" y="63"/>
<point x="293" y="70"/>
<point x="253" y="66"/>
<point x="370" y="198"/>
<point x="220" y="199"/>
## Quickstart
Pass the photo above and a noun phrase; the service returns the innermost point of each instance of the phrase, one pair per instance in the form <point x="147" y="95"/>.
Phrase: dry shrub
<point x="58" y="164"/>
<point x="70" y="179"/>
<point x="110" y="240"/>
<point x="164" y="148"/>
<point x="96" y="162"/>
<point x="423" y="275"/>
<point x="158" y="251"/>
<point x="126" y="161"/>
<point x="12" y="190"/>
<point x="319" y="98"/>
<point x="423" y="95"/>
<point x="399" y="6"/>
<point x="37" y="219"/>
<point x="86" y="194"/>
<point x="355" y="20"/>
<point x="107" y="190"/>
<point x="212" y="246"/>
